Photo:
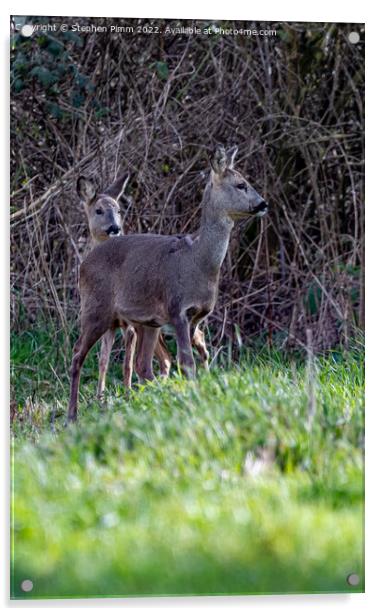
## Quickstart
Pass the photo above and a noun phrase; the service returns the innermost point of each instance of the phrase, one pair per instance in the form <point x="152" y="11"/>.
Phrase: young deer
<point x="104" y="220"/>
<point x="150" y="280"/>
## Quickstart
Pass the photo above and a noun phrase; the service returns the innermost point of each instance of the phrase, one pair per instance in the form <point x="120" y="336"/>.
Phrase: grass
<point x="222" y="485"/>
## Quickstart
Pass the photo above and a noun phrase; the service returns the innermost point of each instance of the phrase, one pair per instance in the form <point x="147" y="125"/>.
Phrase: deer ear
<point x="86" y="189"/>
<point x="218" y="160"/>
<point x="117" y="188"/>
<point x="230" y="156"/>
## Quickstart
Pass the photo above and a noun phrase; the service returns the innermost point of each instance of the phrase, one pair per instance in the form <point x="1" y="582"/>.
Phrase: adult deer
<point x="150" y="280"/>
<point x="104" y="220"/>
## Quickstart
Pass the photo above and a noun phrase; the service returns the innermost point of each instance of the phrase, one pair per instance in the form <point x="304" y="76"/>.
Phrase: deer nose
<point x="113" y="230"/>
<point x="261" y="208"/>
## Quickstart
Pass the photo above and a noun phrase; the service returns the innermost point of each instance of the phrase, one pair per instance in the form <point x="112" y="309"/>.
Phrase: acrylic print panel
<point x="220" y="451"/>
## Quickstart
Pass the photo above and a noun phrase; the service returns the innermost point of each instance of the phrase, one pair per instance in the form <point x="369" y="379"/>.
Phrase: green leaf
<point x="312" y="300"/>
<point x="77" y="99"/>
<point x="162" y="70"/>
<point x="74" y="38"/>
<point x="44" y="76"/>
<point x="18" y="85"/>
<point x="54" y="48"/>
<point x="55" y="111"/>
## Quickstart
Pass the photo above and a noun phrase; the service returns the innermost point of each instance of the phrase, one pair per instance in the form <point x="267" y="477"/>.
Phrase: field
<point x="247" y="480"/>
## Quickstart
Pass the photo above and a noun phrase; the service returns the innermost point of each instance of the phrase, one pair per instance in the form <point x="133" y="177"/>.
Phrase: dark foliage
<point x="156" y="104"/>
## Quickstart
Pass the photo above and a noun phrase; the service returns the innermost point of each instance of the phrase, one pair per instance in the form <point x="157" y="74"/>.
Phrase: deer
<point x="104" y="220"/>
<point x="150" y="280"/>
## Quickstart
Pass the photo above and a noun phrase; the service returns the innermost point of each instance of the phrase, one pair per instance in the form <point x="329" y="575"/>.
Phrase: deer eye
<point x="241" y="186"/>
<point x="99" y="211"/>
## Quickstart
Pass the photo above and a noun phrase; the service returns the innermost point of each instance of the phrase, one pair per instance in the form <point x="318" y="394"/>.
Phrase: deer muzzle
<point x="113" y="230"/>
<point x="260" y="209"/>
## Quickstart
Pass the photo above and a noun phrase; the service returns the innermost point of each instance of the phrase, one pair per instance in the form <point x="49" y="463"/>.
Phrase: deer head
<point x="102" y="209"/>
<point x="230" y="193"/>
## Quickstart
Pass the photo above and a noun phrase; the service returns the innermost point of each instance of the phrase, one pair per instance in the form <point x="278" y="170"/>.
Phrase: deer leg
<point x="83" y="345"/>
<point x="163" y="356"/>
<point x="184" y="347"/>
<point x="147" y="341"/>
<point x="198" y="341"/>
<point x="104" y="357"/>
<point x="130" y="336"/>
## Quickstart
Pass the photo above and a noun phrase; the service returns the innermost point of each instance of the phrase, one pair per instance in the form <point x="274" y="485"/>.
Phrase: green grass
<point x="160" y="495"/>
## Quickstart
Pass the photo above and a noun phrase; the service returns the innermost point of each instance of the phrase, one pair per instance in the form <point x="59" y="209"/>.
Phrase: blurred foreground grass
<point x="223" y="485"/>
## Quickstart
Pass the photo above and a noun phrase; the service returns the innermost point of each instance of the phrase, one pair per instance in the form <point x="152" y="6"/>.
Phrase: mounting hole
<point x="354" y="37"/>
<point x="353" y="579"/>
<point x="27" y="585"/>
<point x="27" y="30"/>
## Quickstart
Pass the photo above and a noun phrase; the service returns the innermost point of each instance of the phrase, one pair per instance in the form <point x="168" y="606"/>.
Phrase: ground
<point x="234" y="483"/>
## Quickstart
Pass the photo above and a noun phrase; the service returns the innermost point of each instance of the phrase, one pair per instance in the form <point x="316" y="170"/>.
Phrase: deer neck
<point x="213" y="237"/>
<point x="95" y="242"/>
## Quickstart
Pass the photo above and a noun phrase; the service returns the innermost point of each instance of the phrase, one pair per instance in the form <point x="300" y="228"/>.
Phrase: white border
<point x="292" y="10"/>
<point x="277" y="10"/>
